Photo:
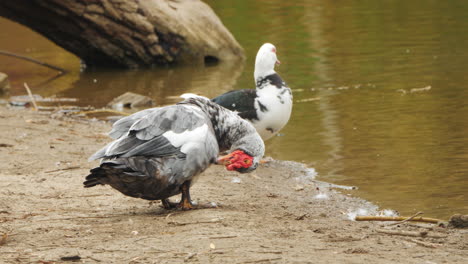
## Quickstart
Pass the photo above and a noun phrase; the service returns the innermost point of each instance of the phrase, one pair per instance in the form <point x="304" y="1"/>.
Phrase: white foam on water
<point x="308" y="176"/>
<point x="358" y="212"/>
<point x="388" y="212"/>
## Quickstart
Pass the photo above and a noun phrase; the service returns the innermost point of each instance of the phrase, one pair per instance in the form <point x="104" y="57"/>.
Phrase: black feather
<point x="137" y="177"/>
<point x="273" y="79"/>
<point x="241" y="101"/>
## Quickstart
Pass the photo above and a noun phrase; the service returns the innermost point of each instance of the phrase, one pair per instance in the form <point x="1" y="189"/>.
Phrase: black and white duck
<point x="269" y="106"/>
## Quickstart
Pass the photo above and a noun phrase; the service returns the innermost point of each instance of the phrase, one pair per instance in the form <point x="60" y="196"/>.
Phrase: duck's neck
<point x="261" y="74"/>
<point x="273" y="80"/>
<point x="227" y="125"/>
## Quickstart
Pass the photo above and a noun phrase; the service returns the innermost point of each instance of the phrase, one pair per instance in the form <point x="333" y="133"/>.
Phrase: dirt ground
<point x="270" y="216"/>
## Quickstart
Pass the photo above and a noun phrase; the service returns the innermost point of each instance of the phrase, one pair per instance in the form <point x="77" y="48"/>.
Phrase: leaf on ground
<point x="3" y="239"/>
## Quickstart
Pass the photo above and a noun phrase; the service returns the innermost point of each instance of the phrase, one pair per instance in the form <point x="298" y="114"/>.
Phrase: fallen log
<point x="116" y="33"/>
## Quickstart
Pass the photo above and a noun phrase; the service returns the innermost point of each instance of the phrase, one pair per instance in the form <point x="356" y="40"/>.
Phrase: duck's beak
<point x="225" y="160"/>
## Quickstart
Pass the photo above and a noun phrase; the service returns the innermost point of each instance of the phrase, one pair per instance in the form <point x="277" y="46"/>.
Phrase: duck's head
<point x="247" y="153"/>
<point x="265" y="61"/>
<point x="239" y="161"/>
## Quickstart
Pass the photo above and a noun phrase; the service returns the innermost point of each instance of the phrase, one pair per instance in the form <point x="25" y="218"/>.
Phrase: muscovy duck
<point x="158" y="152"/>
<point x="269" y="106"/>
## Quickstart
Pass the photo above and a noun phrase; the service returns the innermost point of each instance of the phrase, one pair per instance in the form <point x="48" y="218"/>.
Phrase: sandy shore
<point x="271" y="216"/>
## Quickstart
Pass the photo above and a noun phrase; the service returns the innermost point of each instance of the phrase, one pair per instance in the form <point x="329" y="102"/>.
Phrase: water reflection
<point x="163" y="85"/>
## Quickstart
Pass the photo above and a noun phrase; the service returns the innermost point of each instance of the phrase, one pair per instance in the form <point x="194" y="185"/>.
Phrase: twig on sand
<point x="79" y="217"/>
<point x="95" y="259"/>
<point x="398" y="218"/>
<point x="63" y="169"/>
<point x="301" y="217"/>
<point x="60" y="70"/>
<point x="31" y="96"/>
<point x="267" y="252"/>
<point x="221" y="237"/>
<point x="95" y="195"/>
<point x="422" y="243"/>
<point x="410" y="233"/>
<point x="216" y="220"/>
<point x="135" y="259"/>
<point x="98" y="111"/>
<point x="262" y="260"/>
<point x="168" y="215"/>
<point x="407" y="219"/>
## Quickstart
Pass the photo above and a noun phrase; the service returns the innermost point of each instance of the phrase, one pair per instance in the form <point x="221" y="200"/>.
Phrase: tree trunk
<point x="129" y="33"/>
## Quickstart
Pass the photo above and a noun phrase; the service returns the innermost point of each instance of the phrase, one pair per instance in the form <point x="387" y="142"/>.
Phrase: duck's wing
<point x="161" y="132"/>
<point x="122" y="126"/>
<point x="240" y="101"/>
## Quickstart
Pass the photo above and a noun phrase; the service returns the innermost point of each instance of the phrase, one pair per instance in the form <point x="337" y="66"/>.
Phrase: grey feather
<point x="174" y="118"/>
<point x="144" y="136"/>
<point x="122" y="126"/>
<point x="156" y="147"/>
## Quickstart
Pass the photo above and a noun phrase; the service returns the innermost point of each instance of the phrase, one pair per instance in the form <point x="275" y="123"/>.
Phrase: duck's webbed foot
<point x="189" y="205"/>
<point x="185" y="203"/>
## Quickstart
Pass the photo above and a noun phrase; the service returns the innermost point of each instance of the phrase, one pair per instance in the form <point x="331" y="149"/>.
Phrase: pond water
<point x="380" y="90"/>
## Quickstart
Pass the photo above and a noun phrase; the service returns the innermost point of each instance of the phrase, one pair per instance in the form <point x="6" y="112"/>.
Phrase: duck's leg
<point x="186" y="203"/>
<point x="168" y="205"/>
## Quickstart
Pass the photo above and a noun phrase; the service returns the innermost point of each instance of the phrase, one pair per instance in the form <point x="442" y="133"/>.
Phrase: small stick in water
<point x="60" y="70"/>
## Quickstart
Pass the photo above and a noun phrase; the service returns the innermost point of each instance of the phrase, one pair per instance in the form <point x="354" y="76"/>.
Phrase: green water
<point x="356" y="69"/>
